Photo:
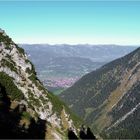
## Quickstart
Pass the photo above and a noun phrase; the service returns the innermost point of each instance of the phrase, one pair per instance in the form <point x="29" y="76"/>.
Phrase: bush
<point x="11" y="89"/>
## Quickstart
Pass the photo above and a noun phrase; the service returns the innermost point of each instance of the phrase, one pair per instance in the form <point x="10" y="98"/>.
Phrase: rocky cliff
<point x="26" y="105"/>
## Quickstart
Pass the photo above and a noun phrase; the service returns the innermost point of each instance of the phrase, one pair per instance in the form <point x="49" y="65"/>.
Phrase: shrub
<point x="11" y="89"/>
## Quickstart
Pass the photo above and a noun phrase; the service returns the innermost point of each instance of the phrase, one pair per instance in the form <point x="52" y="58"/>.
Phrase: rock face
<point x="109" y="98"/>
<point x="25" y="102"/>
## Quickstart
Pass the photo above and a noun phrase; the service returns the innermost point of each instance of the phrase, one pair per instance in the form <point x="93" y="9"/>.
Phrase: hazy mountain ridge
<point x="59" y="66"/>
<point x="106" y="52"/>
<point x="20" y="88"/>
<point x="108" y="98"/>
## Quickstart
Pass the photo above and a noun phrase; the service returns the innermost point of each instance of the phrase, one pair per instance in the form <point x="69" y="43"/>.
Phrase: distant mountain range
<point x="109" y="98"/>
<point x="59" y="66"/>
<point x="106" y="52"/>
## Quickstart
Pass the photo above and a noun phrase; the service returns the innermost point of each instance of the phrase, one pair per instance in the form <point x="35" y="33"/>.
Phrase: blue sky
<point x="73" y="22"/>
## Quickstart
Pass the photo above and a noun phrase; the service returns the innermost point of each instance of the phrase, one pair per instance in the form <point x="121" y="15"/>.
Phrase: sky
<point x="72" y="22"/>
